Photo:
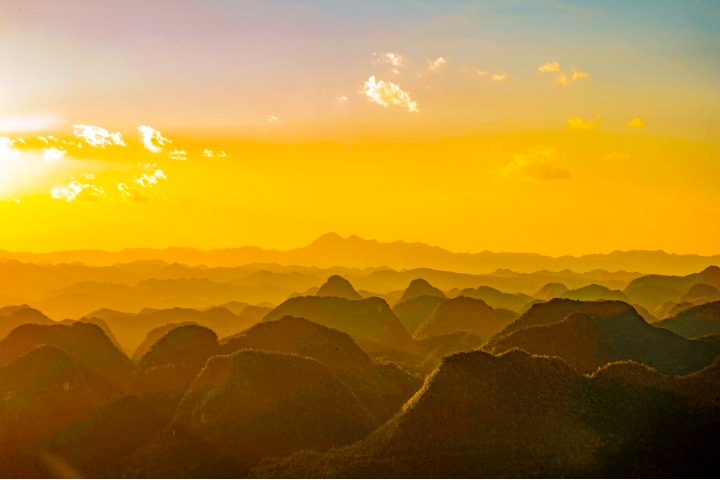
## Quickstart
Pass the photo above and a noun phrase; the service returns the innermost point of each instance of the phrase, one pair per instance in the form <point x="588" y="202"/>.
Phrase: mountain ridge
<point x="331" y="249"/>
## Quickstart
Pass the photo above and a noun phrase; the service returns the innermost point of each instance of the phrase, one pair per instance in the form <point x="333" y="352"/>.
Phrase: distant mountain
<point x="413" y="312"/>
<point x="250" y="404"/>
<point x="12" y="317"/>
<point x="593" y="293"/>
<point x="337" y="286"/>
<point x="695" y="321"/>
<point x="550" y="291"/>
<point x="497" y="299"/>
<point x="420" y="287"/>
<point x="459" y="314"/>
<point x="370" y="322"/>
<point x="332" y="250"/>
<point x="591" y="334"/>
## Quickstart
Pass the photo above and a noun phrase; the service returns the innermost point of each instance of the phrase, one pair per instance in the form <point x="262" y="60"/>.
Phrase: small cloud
<point x="578" y="75"/>
<point x="580" y="124"/>
<point x="95" y="136"/>
<point x="211" y="154"/>
<point x="272" y="119"/>
<point x="146" y="180"/>
<point x="152" y="139"/>
<point x="617" y="156"/>
<point x="538" y="164"/>
<point x="394" y="59"/>
<point x="499" y="77"/>
<point x="437" y="63"/>
<point x="342" y="98"/>
<point x="52" y="154"/>
<point x="562" y="79"/>
<point x="482" y="73"/>
<point x="636" y="122"/>
<point x="387" y="93"/>
<point x="549" y="67"/>
<point x="136" y="190"/>
<point x="179" y="155"/>
<point x="7" y="151"/>
<point x="81" y="190"/>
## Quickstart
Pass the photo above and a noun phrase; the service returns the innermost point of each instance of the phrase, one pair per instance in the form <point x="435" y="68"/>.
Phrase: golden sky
<point x="552" y="127"/>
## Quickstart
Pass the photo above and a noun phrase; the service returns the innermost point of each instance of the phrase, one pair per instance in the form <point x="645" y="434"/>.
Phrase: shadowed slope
<point x="337" y="286"/>
<point x="696" y="321"/>
<point x="414" y="311"/>
<point x="13" y="316"/>
<point x="418" y="288"/>
<point x="459" y="314"/>
<point x="249" y="404"/>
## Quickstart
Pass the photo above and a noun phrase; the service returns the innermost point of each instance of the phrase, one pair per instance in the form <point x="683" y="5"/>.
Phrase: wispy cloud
<point x="394" y="59"/>
<point x="636" y="122"/>
<point x="212" y="154"/>
<point x="437" y="64"/>
<point x="342" y="98"/>
<point x="271" y="119"/>
<point x="387" y="93"/>
<point x="580" y="124"/>
<point x="561" y="78"/>
<point x="152" y="139"/>
<point x="578" y="75"/>
<point x="7" y="149"/>
<point x="539" y="163"/>
<point x="79" y="190"/>
<point x="137" y="189"/>
<point x="179" y="155"/>
<point x="98" y="137"/>
<point x="499" y="77"/>
<point x="549" y="67"/>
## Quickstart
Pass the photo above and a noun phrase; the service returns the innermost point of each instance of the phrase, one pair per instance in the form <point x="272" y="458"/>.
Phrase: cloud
<point x="342" y="98"/>
<point x="394" y="59"/>
<point x="152" y="139"/>
<point x="211" y="154"/>
<point x="179" y="155"/>
<point x="52" y="154"/>
<point x="146" y="180"/>
<point x="387" y="93"/>
<point x="7" y="151"/>
<point x="97" y="136"/>
<point x="636" y="122"/>
<point x="580" y="124"/>
<point x="549" y="67"/>
<point x="437" y="63"/>
<point x="482" y="73"/>
<point x="578" y="75"/>
<point x="272" y="119"/>
<point x="83" y="190"/>
<point x="137" y="189"/>
<point x="560" y="77"/>
<point x="538" y="164"/>
<point x="499" y="77"/>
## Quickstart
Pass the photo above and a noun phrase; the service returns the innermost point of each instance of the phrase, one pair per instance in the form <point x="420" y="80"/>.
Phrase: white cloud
<point x="7" y="151"/>
<point x="52" y="154"/>
<point x="437" y="63"/>
<point x="387" y="93"/>
<point x="97" y="136"/>
<point x="79" y="190"/>
<point x="212" y="154"/>
<point x="499" y="77"/>
<point x="560" y="77"/>
<point x="152" y="139"/>
<point x="146" y="180"/>
<point x="272" y="119"/>
<point x="539" y="163"/>
<point x="179" y="155"/>
<point x="394" y="59"/>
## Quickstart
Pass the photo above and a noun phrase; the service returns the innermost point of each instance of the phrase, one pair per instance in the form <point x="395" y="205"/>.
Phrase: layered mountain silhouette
<point x="337" y="286"/>
<point x="459" y="314"/>
<point x="550" y="291"/>
<point x="12" y="317"/>
<point x="419" y="287"/>
<point x="591" y="334"/>
<point x="497" y="299"/>
<point x="695" y="321"/>
<point x="370" y="322"/>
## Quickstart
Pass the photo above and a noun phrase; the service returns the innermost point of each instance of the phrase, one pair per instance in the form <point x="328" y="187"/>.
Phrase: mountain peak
<point x="337" y="286"/>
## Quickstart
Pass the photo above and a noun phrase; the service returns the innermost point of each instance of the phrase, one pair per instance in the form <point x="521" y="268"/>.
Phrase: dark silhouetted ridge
<point x="337" y="286"/>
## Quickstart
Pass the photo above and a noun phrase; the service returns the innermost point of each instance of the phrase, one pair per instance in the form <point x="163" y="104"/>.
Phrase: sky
<point x="545" y="126"/>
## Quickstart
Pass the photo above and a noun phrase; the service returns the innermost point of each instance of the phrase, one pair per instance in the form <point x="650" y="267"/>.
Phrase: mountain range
<point x="331" y="250"/>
